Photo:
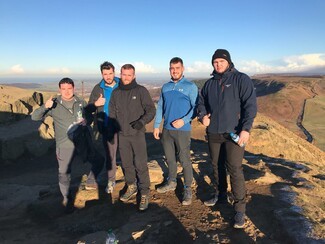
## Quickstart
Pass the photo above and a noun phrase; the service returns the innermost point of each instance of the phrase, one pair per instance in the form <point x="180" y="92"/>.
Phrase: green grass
<point x="314" y="120"/>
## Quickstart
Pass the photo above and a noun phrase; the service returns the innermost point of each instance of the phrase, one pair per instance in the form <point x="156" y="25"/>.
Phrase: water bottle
<point x="111" y="238"/>
<point x="235" y="138"/>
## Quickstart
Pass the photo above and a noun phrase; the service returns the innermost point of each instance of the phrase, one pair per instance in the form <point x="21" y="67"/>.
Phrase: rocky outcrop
<point x="19" y="135"/>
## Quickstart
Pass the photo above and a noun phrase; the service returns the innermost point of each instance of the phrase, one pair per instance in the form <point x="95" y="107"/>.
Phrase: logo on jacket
<point x="228" y="85"/>
<point x="180" y="90"/>
<point x="134" y="97"/>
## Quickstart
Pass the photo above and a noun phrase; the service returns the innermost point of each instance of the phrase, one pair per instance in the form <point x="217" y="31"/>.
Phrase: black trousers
<point x="133" y="152"/>
<point x="233" y="160"/>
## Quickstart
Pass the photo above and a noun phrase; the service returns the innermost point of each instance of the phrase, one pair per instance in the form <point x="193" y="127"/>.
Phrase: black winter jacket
<point x="230" y="99"/>
<point x="130" y="103"/>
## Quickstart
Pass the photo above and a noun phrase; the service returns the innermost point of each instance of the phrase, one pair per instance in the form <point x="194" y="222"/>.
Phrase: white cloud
<point x="140" y="67"/>
<point x="301" y="63"/>
<point x="58" y="71"/>
<point x="17" y="69"/>
<point x="199" y="66"/>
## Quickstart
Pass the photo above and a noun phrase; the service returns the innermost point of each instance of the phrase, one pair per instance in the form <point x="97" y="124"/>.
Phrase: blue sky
<point x="72" y="38"/>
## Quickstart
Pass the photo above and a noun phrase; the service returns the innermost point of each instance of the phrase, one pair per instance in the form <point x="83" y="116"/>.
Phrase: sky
<point x="67" y="38"/>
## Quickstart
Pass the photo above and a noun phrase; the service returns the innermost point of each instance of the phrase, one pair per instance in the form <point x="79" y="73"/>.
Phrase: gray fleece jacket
<point x="62" y="118"/>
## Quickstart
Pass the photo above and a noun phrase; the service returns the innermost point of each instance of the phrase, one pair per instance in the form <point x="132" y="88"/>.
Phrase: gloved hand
<point x="138" y="124"/>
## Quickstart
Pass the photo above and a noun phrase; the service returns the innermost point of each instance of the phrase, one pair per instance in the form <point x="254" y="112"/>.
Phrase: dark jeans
<point x="110" y="147"/>
<point x="133" y="152"/>
<point x="178" y="142"/>
<point x="233" y="158"/>
<point x="222" y="172"/>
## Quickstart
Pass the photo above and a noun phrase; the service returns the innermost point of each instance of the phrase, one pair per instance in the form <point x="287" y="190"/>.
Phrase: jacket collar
<point x="130" y="86"/>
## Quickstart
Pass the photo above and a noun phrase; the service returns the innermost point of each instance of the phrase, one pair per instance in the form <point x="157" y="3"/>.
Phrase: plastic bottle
<point x="235" y="138"/>
<point x="111" y="238"/>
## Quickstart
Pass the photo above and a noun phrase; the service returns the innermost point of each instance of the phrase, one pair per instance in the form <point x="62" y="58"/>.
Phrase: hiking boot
<point x="144" y="202"/>
<point x="110" y="187"/>
<point x="130" y="192"/>
<point x="170" y="186"/>
<point x="239" y="220"/>
<point x="187" y="197"/>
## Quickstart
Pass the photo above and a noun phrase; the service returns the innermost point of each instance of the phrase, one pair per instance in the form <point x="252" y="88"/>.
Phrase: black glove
<point x="138" y="125"/>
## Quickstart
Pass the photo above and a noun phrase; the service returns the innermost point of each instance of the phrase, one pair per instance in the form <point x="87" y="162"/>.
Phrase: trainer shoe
<point x="170" y="186"/>
<point x="91" y="186"/>
<point x="144" y="202"/>
<point x="110" y="187"/>
<point x="130" y="192"/>
<point x="211" y="202"/>
<point x="187" y="197"/>
<point x="239" y="220"/>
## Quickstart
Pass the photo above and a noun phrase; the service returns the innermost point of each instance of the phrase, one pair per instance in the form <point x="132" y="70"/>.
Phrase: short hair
<point x="106" y="65"/>
<point x="127" y="66"/>
<point x="176" y="60"/>
<point x="66" y="80"/>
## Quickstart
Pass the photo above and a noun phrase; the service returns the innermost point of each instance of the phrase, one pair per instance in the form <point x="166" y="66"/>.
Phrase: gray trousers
<point x="176" y="142"/>
<point x="133" y="152"/>
<point x="64" y="157"/>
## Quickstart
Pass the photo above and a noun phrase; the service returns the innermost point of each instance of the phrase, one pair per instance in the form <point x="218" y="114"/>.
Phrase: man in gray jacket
<point x="67" y="111"/>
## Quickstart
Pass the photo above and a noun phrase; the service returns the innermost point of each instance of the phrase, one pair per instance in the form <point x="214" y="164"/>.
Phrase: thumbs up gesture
<point x="100" y="101"/>
<point x="49" y="103"/>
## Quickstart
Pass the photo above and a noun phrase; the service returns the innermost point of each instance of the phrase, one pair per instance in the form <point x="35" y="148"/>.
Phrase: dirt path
<point x="31" y="211"/>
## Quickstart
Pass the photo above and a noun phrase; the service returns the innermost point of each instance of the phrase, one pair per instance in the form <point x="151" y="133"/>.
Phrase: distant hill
<point x="283" y="98"/>
<point x="25" y="85"/>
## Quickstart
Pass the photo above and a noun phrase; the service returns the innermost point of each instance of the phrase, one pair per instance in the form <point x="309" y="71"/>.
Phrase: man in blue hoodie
<point x="107" y="127"/>
<point x="227" y="105"/>
<point x="176" y="106"/>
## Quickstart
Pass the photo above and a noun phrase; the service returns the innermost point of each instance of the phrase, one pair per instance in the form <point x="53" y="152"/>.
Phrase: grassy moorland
<point x="314" y="120"/>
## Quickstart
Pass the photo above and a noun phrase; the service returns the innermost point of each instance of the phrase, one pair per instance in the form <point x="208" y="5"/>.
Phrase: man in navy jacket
<point x="227" y="105"/>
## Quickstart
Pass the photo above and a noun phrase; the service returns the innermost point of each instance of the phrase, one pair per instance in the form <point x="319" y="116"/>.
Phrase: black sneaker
<point x="239" y="220"/>
<point x="144" y="202"/>
<point x="187" y="197"/>
<point x="130" y="192"/>
<point x="211" y="202"/>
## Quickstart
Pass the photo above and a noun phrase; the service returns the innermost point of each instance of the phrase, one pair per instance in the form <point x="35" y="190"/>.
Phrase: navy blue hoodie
<point x="230" y="99"/>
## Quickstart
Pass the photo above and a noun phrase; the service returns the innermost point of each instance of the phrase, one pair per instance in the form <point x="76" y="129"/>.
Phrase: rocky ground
<point x="285" y="191"/>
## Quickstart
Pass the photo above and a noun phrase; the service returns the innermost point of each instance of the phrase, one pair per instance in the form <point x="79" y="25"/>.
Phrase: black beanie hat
<point x="221" y="53"/>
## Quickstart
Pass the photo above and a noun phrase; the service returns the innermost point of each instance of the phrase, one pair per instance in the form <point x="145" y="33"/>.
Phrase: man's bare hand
<point x="206" y="120"/>
<point x="243" y="138"/>
<point x="178" y="123"/>
<point x="49" y="103"/>
<point x="156" y="133"/>
<point x="100" y="101"/>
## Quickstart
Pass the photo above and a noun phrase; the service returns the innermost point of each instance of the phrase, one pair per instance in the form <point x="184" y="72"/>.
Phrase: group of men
<point x="121" y="108"/>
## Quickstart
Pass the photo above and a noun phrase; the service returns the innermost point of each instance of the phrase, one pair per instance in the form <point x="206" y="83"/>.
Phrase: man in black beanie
<point x="227" y="105"/>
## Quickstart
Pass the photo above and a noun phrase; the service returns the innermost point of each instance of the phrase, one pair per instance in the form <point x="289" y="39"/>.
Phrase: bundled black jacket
<point x="130" y="103"/>
<point x="230" y="99"/>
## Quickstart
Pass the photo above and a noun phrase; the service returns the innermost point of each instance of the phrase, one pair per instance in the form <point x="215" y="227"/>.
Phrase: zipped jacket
<point x="231" y="100"/>
<point x="177" y="101"/>
<point x="101" y="114"/>
<point x="63" y="118"/>
<point x="130" y="103"/>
